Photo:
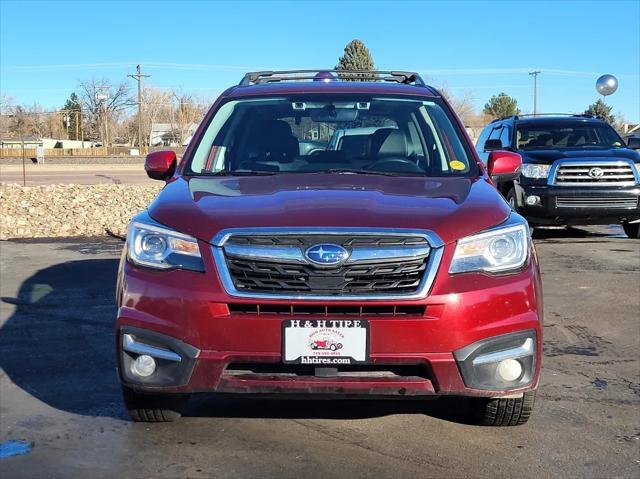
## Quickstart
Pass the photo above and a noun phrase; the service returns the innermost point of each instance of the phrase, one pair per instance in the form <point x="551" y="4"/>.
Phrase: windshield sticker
<point x="457" y="165"/>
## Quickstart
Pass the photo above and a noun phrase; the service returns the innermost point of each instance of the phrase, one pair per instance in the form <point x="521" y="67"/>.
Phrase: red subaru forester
<point x="325" y="208"/>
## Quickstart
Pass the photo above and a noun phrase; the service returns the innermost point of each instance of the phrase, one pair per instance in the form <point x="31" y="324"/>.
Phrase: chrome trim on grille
<point x="277" y="254"/>
<point x="630" y="179"/>
<point x="434" y="253"/>
<point x="223" y="235"/>
<point x="288" y="254"/>
<point x="613" y="202"/>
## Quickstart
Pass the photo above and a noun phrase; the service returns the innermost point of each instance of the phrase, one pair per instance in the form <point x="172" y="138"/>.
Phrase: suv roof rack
<point x="536" y="115"/>
<point x="396" y="76"/>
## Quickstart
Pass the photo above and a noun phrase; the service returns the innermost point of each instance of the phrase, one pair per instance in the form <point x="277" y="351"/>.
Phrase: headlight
<point x="531" y="170"/>
<point x="162" y="248"/>
<point x="502" y="249"/>
<point x="638" y="168"/>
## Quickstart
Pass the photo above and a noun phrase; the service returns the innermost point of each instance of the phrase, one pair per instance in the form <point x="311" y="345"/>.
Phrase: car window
<point x="563" y="134"/>
<point x="495" y="133"/>
<point x="377" y="134"/>
<point x="505" y="136"/>
<point x="483" y="137"/>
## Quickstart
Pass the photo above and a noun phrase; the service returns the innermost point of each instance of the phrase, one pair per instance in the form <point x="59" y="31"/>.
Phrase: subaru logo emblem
<point x="596" y="172"/>
<point x="326" y="254"/>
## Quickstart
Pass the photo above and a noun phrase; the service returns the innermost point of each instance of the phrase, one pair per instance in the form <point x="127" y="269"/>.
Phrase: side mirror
<point x="492" y="145"/>
<point x="160" y="165"/>
<point x="504" y="165"/>
<point x="634" y="143"/>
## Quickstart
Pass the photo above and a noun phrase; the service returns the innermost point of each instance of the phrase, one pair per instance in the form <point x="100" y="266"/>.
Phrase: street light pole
<point x="138" y="77"/>
<point x="535" y="74"/>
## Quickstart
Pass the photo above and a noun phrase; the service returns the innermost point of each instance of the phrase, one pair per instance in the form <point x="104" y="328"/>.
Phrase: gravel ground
<point x="60" y="394"/>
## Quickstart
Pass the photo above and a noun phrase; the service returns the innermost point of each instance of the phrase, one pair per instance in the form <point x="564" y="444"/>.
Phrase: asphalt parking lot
<point x="59" y="391"/>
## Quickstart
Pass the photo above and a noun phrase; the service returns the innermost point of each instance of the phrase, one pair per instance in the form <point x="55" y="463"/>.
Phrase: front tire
<point x="154" y="407"/>
<point x="512" y="200"/>
<point x="632" y="230"/>
<point x="503" y="412"/>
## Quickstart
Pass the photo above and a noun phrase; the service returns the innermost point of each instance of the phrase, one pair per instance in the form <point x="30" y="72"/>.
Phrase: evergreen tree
<point x="73" y="109"/>
<point x="356" y="57"/>
<point x="501" y="105"/>
<point x="601" y="110"/>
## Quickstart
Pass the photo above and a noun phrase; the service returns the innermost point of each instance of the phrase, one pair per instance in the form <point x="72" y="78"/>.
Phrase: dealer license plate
<point x="325" y="342"/>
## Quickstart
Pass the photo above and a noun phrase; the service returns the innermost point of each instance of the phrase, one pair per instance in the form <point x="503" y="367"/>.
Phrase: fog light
<point x="533" y="200"/>
<point x="143" y="366"/>
<point x="509" y="369"/>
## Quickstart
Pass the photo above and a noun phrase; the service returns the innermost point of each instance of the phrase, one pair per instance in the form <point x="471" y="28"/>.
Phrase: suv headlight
<point x="502" y="249"/>
<point x="158" y="247"/>
<point x="531" y="170"/>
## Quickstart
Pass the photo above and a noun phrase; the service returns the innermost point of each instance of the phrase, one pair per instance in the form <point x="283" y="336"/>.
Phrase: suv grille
<point x="269" y="277"/>
<point x="606" y="202"/>
<point x="601" y="174"/>
<point x="275" y="265"/>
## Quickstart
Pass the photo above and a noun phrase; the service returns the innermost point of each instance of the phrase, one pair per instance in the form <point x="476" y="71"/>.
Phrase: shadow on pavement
<point x="599" y="233"/>
<point x="449" y="409"/>
<point x="58" y="346"/>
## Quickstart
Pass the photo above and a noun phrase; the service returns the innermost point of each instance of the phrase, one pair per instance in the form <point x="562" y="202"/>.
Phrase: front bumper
<point x="550" y="212"/>
<point x="240" y="352"/>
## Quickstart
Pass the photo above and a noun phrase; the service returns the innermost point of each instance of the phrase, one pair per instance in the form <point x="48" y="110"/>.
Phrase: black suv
<point x="576" y="170"/>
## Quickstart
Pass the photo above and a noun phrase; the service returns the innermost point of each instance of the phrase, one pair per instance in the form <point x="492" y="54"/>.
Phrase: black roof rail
<point x="397" y="76"/>
<point x="515" y="117"/>
<point x="579" y="115"/>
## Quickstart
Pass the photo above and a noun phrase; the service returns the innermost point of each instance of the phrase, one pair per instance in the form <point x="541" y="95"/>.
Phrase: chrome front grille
<point x="605" y="202"/>
<point x="587" y="173"/>
<point x="381" y="264"/>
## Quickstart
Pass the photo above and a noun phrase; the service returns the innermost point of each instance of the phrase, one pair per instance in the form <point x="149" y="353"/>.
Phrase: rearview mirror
<point x="491" y="145"/>
<point x="633" y="142"/>
<point x="330" y="114"/>
<point x="160" y="165"/>
<point x="504" y="165"/>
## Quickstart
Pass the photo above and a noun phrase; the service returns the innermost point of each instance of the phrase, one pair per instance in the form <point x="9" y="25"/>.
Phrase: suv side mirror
<point x="160" y="165"/>
<point x="504" y="165"/>
<point x="633" y="142"/>
<point x="491" y="145"/>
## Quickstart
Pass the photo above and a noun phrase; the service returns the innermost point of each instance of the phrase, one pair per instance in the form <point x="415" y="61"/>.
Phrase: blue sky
<point x="203" y="47"/>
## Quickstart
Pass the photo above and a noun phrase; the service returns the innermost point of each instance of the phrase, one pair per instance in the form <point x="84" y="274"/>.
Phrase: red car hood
<point x="450" y="207"/>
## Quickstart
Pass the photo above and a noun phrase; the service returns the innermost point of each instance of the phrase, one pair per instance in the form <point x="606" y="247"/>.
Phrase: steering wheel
<point x="400" y="165"/>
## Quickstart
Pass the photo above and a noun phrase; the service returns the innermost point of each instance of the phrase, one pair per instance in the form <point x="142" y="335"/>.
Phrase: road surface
<point x="82" y="174"/>
<point x="60" y="393"/>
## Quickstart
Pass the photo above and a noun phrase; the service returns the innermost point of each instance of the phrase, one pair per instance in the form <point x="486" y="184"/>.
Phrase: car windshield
<point x="566" y="135"/>
<point x="332" y="133"/>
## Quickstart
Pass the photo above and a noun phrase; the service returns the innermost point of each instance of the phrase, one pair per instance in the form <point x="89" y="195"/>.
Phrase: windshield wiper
<point x="244" y="173"/>
<point x="364" y="172"/>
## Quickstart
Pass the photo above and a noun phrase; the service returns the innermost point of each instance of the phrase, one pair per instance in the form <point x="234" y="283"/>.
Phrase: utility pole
<point x="138" y="77"/>
<point x="535" y="74"/>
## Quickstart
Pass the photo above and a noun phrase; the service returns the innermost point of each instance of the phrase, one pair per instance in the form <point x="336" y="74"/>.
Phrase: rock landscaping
<point x="66" y="210"/>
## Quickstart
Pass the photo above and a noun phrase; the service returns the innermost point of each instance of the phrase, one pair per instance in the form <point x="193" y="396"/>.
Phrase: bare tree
<point x="187" y="112"/>
<point x="158" y="108"/>
<point x="101" y="100"/>
<point x="463" y="104"/>
<point x="7" y="109"/>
